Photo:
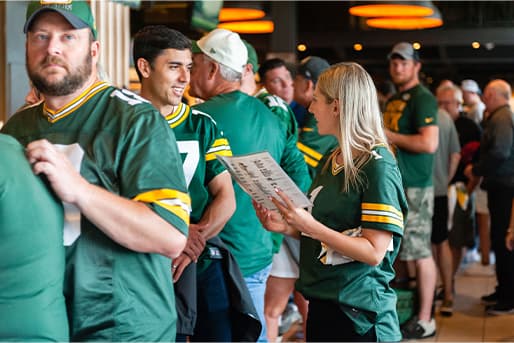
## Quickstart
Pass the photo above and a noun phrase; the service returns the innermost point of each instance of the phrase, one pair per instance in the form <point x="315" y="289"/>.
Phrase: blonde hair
<point x="360" y="119"/>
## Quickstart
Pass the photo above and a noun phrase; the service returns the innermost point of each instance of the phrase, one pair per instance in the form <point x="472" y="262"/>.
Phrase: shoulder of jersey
<point x="128" y="96"/>
<point x="196" y="112"/>
<point x="381" y="154"/>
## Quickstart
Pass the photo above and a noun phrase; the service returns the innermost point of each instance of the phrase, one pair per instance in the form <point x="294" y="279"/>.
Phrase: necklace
<point x="336" y="167"/>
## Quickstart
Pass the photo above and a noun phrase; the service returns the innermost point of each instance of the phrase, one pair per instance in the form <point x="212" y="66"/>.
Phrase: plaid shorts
<point x="416" y="242"/>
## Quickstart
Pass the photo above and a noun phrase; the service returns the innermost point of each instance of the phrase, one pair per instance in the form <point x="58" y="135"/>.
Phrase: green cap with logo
<point x="77" y="13"/>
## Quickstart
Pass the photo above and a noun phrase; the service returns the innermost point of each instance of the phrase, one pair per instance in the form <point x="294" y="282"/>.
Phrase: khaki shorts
<point x="284" y="264"/>
<point x="418" y="228"/>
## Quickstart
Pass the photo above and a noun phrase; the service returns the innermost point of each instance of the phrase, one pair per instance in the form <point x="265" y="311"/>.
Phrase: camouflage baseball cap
<point x="77" y="13"/>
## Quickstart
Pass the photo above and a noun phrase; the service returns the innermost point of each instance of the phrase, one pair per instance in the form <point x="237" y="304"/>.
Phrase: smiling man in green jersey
<point x="163" y="61"/>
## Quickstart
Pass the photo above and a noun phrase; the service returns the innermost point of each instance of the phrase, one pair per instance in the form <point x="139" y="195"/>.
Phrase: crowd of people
<point x="137" y="232"/>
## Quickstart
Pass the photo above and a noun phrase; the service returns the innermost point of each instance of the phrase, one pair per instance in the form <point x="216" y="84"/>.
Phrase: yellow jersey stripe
<point x="160" y="194"/>
<point x="67" y="109"/>
<point x="178" y="203"/>
<point x="176" y="210"/>
<point x="382" y="219"/>
<point x="220" y="141"/>
<point x="310" y="161"/>
<point x="212" y="156"/>
<point x="380" y="207"/>
<point x="309" y="151"/>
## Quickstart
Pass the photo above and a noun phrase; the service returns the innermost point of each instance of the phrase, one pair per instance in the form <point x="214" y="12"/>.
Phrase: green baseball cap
<point x="77" y="13"/>
<point x="252" y="56"/>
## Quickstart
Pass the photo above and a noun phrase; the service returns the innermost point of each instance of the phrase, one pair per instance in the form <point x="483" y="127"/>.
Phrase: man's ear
<point x="248" y="70"/>
<point x="417" y="66"/>
<point x="213" y="69"/>
<point x="310" y="85"/>
<point x="144" y="67"/>
<point x="95" y="51"/>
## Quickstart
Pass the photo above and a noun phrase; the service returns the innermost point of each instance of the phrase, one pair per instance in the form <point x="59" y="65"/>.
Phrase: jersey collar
<point x="180" y="114"/>
<point x="69" y="108"/>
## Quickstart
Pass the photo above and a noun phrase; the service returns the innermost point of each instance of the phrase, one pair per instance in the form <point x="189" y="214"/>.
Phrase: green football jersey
<point x="32" y="306"/>
<point x="362" y="290"/>
<point x="250" y="127"/>
<point x="292" y="161"/>
<point x="313" y="145"/>
<point x="199" y="141"/>
<point x="119" y="142"/>
<point x="406" y="113"/>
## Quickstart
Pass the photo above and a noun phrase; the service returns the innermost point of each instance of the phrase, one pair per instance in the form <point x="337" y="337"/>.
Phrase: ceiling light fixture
<point x="407" y="23"/>
<point x="392" y="9"/>
<point x="412" y="23"/>
<point x="235" y="13"/>
<point x="249" y="26"/>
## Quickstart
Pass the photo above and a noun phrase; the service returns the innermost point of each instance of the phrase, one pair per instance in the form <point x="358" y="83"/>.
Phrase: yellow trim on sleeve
<point x="313" y="163"/>
<point x="382" y="219"/>
<point x="309" y="151"/>
<point x="176" y="202"/>
<point x="381" y="207"/>
<point x="212" y="156"/>
<point x="220" y="142"/>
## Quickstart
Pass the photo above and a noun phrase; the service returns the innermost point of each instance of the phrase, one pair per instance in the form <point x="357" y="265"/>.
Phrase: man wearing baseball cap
<point x="473" y="105"/>
<point x="410" y="119"/>
<point x="313" y="145"/>
<point x="284" y="270"/>
<point x="125" y="198"/>
<point x="219" y="59"/>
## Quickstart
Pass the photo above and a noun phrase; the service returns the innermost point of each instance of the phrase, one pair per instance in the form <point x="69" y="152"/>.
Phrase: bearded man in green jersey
<point x="125" y="198"/>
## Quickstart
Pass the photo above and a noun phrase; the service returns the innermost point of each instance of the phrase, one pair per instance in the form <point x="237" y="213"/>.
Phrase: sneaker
<point x="490" y="299"/>
<point x="446" y="308"/>
<point x="416" y="329"/>
<point x="499" y="309"/>
<point x="290" y="316"/>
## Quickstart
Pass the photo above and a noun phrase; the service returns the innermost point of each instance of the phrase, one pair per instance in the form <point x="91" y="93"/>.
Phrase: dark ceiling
<point x="446" y="52"/>
<point x="329" y="31"/>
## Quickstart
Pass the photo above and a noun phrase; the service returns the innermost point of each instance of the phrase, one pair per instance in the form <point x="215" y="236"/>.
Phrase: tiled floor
<point x="469" y="322"/>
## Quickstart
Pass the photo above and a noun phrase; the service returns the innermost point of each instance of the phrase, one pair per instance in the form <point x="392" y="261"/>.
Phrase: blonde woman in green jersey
<point x="351" y="236"/>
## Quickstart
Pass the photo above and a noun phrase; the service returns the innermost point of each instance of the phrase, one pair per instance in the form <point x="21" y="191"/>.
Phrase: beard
<point x="71" y="82"/>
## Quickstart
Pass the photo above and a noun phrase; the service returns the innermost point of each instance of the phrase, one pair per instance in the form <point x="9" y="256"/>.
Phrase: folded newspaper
<point x="259" y="175"/>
